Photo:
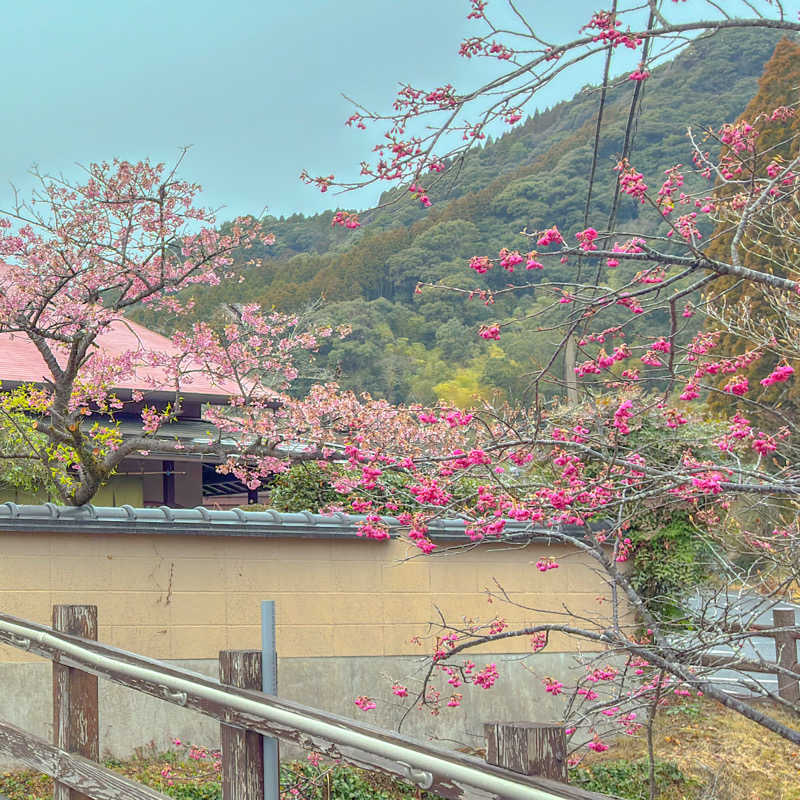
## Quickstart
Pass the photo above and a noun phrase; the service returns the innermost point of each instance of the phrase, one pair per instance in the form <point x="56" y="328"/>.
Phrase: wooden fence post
<point x="532" y="748"/>
<point x="242" y="751"/>
<point x="786" y="652"/>
<point x="75" y="716"/>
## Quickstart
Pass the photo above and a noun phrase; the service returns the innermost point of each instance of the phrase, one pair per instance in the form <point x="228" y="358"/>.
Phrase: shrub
<point x="630" y="779"/>
<point x="670" y="560"/>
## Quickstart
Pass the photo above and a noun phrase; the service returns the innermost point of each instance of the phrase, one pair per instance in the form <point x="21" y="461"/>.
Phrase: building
<point x="160" y="478"/>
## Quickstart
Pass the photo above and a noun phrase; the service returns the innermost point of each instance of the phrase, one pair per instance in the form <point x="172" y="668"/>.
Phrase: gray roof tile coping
<point x="207" y="522"/>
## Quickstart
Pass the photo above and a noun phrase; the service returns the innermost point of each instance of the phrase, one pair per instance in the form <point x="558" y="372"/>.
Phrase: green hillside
<point x="411" y="347"/>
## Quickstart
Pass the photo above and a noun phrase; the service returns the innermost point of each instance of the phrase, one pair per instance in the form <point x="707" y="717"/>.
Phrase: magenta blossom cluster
<point x="778" y="375"/>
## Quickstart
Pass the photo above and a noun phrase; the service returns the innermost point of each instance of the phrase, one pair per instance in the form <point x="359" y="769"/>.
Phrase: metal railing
<point x="446" y="773"/>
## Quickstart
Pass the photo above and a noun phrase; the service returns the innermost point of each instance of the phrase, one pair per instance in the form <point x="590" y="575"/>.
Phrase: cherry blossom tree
<point x="634" y="445"/>
<point x="75" y="258"/>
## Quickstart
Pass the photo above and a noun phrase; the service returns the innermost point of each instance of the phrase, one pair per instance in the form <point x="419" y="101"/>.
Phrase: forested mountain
<point x="770" y="246"/>
<point x="415" y="347"/>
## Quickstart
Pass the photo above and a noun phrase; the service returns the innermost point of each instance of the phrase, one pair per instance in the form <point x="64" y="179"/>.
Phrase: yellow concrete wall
<point x="119" y="490"/>
<point x="191" y="596"/>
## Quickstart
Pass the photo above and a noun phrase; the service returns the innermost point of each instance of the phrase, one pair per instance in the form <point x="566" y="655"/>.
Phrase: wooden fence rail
<point x="446" y="773"/>
<point x="70" y="771"/>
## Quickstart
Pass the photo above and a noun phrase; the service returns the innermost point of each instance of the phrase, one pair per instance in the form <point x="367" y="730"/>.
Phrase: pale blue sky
<point x="254" y="87"/>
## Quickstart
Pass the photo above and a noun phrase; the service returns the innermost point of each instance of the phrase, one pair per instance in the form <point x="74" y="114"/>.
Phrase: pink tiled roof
<point x="21" y="362"/>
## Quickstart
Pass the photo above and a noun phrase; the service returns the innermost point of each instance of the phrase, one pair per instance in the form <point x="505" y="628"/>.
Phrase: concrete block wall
<point x="347" y="613"/>
<point x="191" y="596"/>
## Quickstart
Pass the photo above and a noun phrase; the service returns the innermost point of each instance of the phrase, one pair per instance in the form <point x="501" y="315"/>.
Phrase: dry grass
<point x="731" y="757"/>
